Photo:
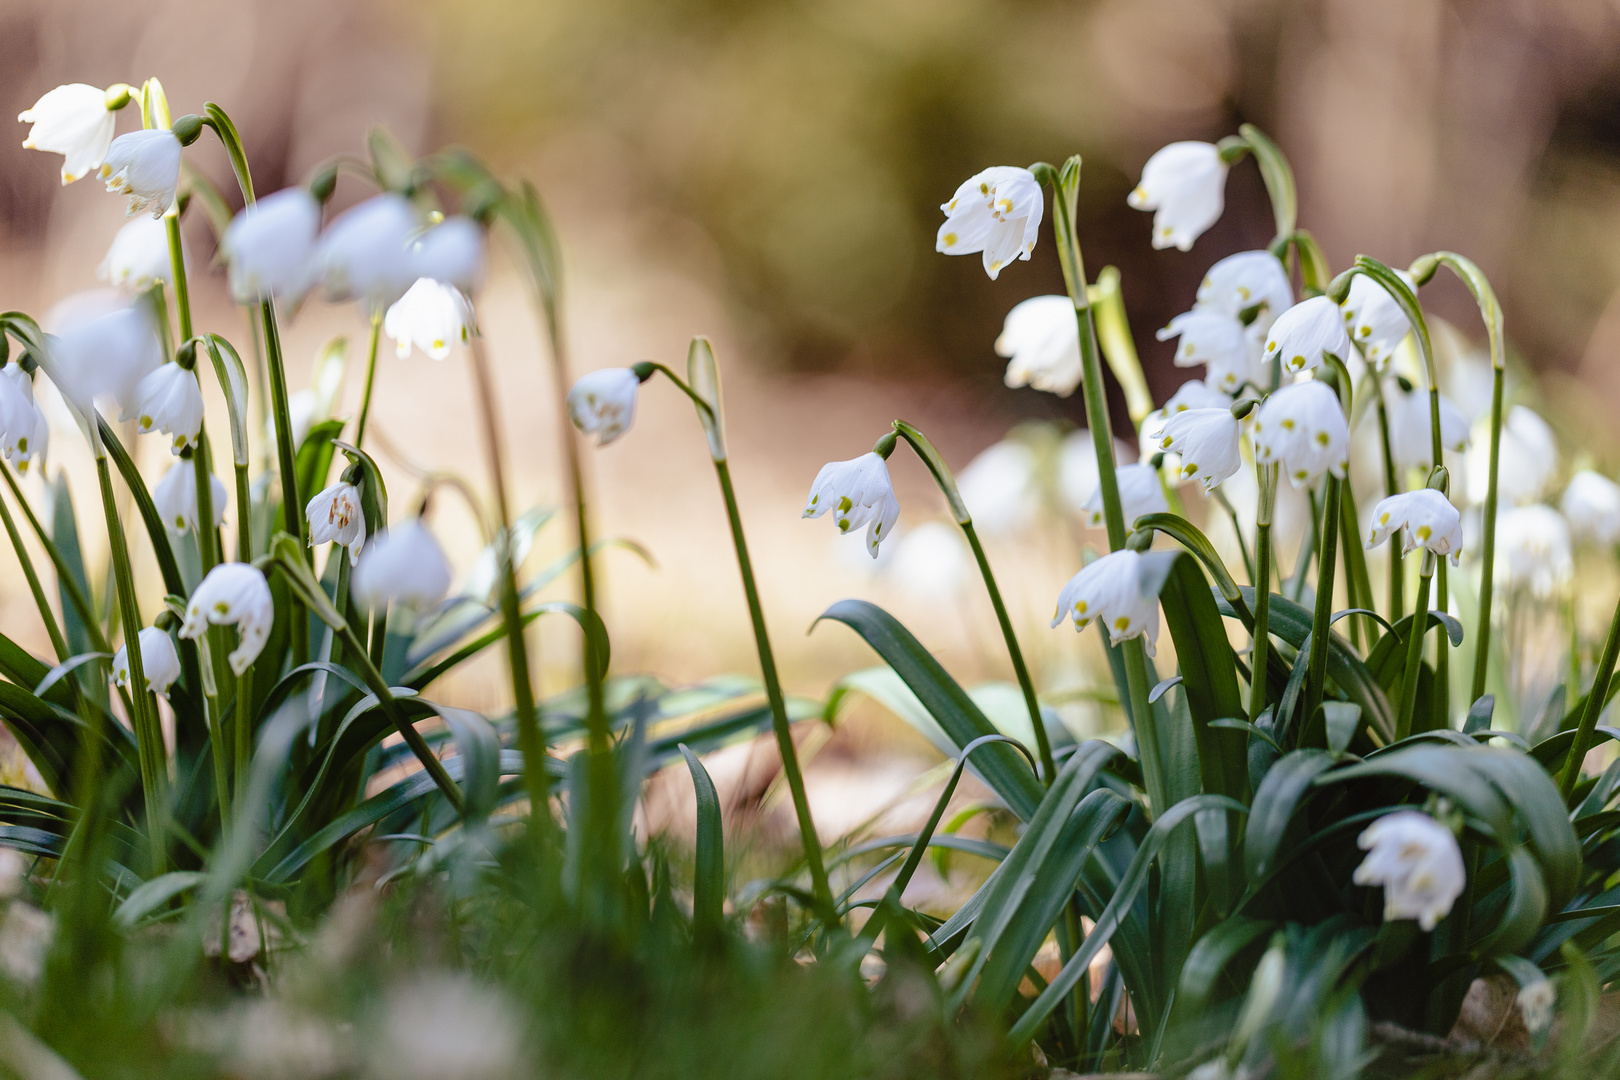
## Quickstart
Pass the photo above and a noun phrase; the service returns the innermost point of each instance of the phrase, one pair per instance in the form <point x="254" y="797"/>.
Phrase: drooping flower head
<point x="858" y="492"/>
<point x="1410" y="445"/>
<point x="1112" y="590"/>
<point x="932" y="562"/>
<point x="1533" y="550"/>
<point x="1528" y="460"/>
<point x="75" y="121"/>
<point x="402" y="565"/>
<point x="270" y="246"/>
<point x="1216" y="339"/>
<point x="451" y="252"/>
<point x="997" y="212"/>
<point x="432" y="316"/>
<point x="24" y="433"/>
<point x="365" y="253"/>
<point x="1207" y="441"/>
<point x="159" y="662"/>
<point x="139" y="255"/>
<point x="108" y="354"/>
<point x="1139" y="493"/>
<point x="169" y="400"/>
<point x="1041" y="340"/>
<point x="1248" y="280"/>
<point x="1306" y="333"/>
<point x="335" y="515"/>
<point x="145" y="166"/>
<point x="1374" y="320"/>
<point x="1000" y="488"/>
<point x="1302" y="429"/>
<point x="175" y="497"/>
<point x="1184" y="183"/>
<point x="1417" y="861"/>
<point x="1425" y="518"/>
<point x="1591" y="502"/>
<point x="233" y="594"/>
<point x="603" y="403"/>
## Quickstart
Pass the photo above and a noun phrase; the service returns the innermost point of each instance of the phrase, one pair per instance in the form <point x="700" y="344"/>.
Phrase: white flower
<point x="447" y="1027"/>
<point x="1192" y="394"/>
<point x="145" y="166"/>
<point x="997" y="212"/>
<point x="139" y="255"/>
<point x="1532" y="549"/>
<point x="932" y="562"/>
<point x="432" y="315"/>
<point x="1041" y="338"/>
<point x="403" y="565"/>
<point x="176" y="497"/>
<point x="1185" y="184"/>
<point x="302" y="407"/>
<point x="859" y="493"/>
<point x="1214" y="338"/>
<point x="1527" y="464"/>
<point x="24" y="432"/>
<point x="1302" y="428"/>
<point x="270" y="246"/>
<point x="1140" y="492"/>
<point x="73" y="121"/>
<point x="169" y="400"/>
<point x="335" y="515"/>
<point x="999" y="488"/>
<point x="1536" y="1001"/>
<point x="1409" y="442"/>
<point x="365" y="253"/>
<point x="1078" y="474"/>
<point x="1246" y="280"/>
<point x="159" y="662"/>
<point x="106" y="355"/>
<point x="1307" y="332"/>
<point x="1207" y="442"/>
<point x="233" y="594"/>
<point x="1591" y="502"/>
<point x="1417" y="861"/>
<point x="452" y="252"/>
<point x="1110" y="589"/>
<point x="1424" y="518"/>
<point x="603" y="403"/>
<point x="1374" y="320"/>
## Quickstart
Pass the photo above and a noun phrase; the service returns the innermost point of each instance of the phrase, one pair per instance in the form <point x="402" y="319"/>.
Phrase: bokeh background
<point x="769" y="174"/>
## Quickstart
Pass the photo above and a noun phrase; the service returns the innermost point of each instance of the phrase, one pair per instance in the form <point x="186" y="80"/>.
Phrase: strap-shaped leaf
<point x="1286" y="784"/>
<point x="709" y="873"/>
<point x="1209" y="678"/>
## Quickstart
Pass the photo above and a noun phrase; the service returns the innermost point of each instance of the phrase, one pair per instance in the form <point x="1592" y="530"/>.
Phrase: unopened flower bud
<point x="187" y="128"/>
<point x="324" y="182"/>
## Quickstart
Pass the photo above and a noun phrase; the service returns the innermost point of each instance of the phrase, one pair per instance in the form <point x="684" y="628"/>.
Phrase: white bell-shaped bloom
<point x="1591" y="502"/>
<point x="1041" y="339"/>
<point x="1207" y="442"/>
<point x="233" y="594"/>
<point x="1307" y="332"/>
<point x="1536" y="1001"/>
<point x="1374" y="320"/>
<point x="109" y="354"/>
<point x="365" y="254"/>
<point x="603" y="403"/>
<point x="303" y="408"/>
<point x="858" y="492"/>
<point x="452" y="252"/>
<point x="73" y="121"/>
<point x="1184" y="183"/>
<point x="24" y="432"/>
<point x="1215" y="339"/>
<point x="169" y="400"/>
<point x="402" y="565"/>
<point x="1110" y="590"/>
<point x="335" y="516"/>
<point x="1533" y="550"/>
<point x="1140" y="492"/>
<point x="432" y="316"/>
<point x="1417" y="861"/>
<point x="270" y="246"/>
<point x="1078" y="474"/>
<point x="997" y="212"/>
<point x="932" y="562"/>
<point x="1000" y="488"/>
<point x="1409" y="443"/>
<point x="1192" y="394"/>
<point x="1424" y="518"/>
<point x="1528" y="462"/>
<point x="1249" y="279"/>
<point x="1302" y="429"/>
<point x="139" y="255"/>
<point x="176" y="497"/>
<point x="159" y="662"/>
<point x="145" y="166"/>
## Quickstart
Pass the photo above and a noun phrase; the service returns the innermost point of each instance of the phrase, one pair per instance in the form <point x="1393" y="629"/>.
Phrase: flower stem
<point x="1260" y="642"/>
<point x="58" y="642"/>
<point x="177" y="267"/>
<point x="1392" y="486"/>
<point x="371" y="375"/>
<point x="244" y="738"/>
<point x="1487" y="564"/>
<point x="1414" y="651"/>
<point x="1596" y="698"/>
<point x="1322" y="617"/>
<point x="291" y="507"/>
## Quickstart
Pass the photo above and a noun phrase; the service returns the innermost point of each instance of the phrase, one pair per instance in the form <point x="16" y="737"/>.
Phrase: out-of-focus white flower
<point x="1184" y="183"/>
<point x="25" y="938"/>
<point x="1410" y="444"/>
<point x="1110" y="590"/>
<point x="932" y="562"/>
<point x="1536" y="1001"/>
<point x="432" y="315"/>
<point x="1077" y="468"/>
<point x="145" y="166"/>
<point x="73" y="121"/>
<point x="13" y="873"/>
<point x="402" y="565"/>
<point x="1042" y="341"/>
<point x="160" y="664"/>
<point x="1532" y="549"/>
<point x="451" y="252"/>
<point x="1528" y="461"/>
<point x="1591" y="502"/>
<point x="139" y="255"/>
<point x="1207" y="442"/>
<point x="1374" y="320"/>
<point x="334" y="515"/>
<point x="999" y="488"/>
<point x="603" y="403"/>
<point x="302" y="407"/>
<point x="169" y="400"/>
<point x="447" y="1027"/>
<point x="1424" y="518"/>
<point x="997" y="212"/>
<point x="233" y="594"/>
<point x="24" y="433"/>
<point x="1192" y="394"/>
<point x="1214" y="338"/>
<point x="365" y="253"/>
<point x="1417" y="861"/>
<point x="270" y="246"/>
<point x="1302" y="428"/>
<point x="1246" y="280"/>
<point x="176" y="497"/>
<point x="1139" y="493"/>
<point x="1307" y="332"/>
<point x="109" y="354"/>
<point x="858" y="492"/>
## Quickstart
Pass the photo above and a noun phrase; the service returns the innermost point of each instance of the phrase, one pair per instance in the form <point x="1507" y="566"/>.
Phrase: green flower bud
<point x="187" y="128"/>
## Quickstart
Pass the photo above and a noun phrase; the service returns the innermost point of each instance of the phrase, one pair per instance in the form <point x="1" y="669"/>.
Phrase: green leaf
<point x="1190" y="537"/>
<point x="589" y="622"/>
<point x="1285" y="786"/>
<point x="65" y="537"/>
<point x="1210" y="956"/>
<point x="709" y="874"/>
<point x="233" y="381"/>
<point x="154" y="894"/>
<point x="1209" y="678"/>
<point x="156" y="531"/>
<point x="314" y="460"/>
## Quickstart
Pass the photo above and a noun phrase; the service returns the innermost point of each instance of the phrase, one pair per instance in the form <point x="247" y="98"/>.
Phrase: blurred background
<point x="769" y="174"/>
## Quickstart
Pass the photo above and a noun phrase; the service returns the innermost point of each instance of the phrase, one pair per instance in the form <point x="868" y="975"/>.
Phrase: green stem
<point x="291" y="507"/>
<point x="1322" y="618"/>
<point x="371" y="375"/>
<point x="1414" y="651"/>
<point x="1042" y="742"/>
<point x="203" y="479"/>
<point x="1260" y="641"/>
<point x="64" y="575"/>
<point x="216" y="736"/>
<point x="58" y="641"/>
<point x="1487" y="564"/>
<point x="1392" y="486"/>
<point x="177" y="265"/>
<point x="244" y="739"/>
<point x="1596" y="698"/>
<point x="1237" y="530"/>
